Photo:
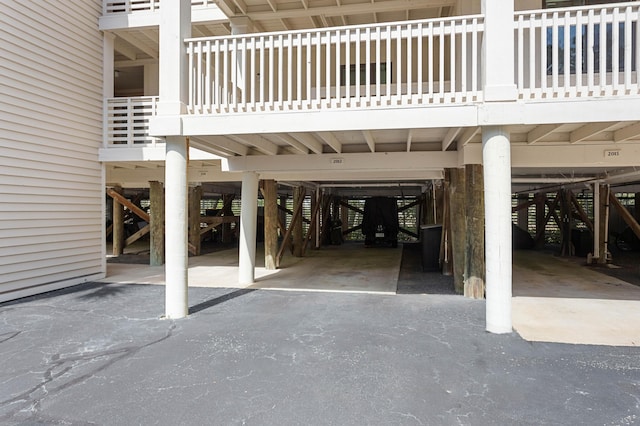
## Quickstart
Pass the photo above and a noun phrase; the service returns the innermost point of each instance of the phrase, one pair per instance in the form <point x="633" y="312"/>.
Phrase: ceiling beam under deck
<point x="450" y="137"/>
<point x="348" y="9"/>
<point x="370" y="141"/>
<point x="293" y="142"/>
<point x="409" y="139"/>
<point x="626" y="133"/>
<point x="222" y="142"/>
<point x="588" y="131"/>
<point x="389" y="161"/>
<point x="541" y="132"/>
<point x="331" y="140"/>
<point x="154" y="53"/>
<point x="258" y="142"/>
<point x="309" y="141"/>
<point x="468" y="135"/>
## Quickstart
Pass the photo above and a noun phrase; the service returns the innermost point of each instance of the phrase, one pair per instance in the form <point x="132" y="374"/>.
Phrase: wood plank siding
<point x="51" y="183"/>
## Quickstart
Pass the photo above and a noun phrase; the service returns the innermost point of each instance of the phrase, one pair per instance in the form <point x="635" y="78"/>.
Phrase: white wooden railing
<point x="132" y="6"/>
<point x="578" y="52"/>
<point x="127" y="121"/>
<point x="373" y="66"/>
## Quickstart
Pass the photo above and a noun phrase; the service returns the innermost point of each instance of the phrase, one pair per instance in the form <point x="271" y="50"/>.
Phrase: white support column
<point x="596" y="220"/>
<point x="248" y="225"/>
<point x="175" y="26"/>
<point x="496" y="154"/>
<point x="176" y="229"/>
<point x="498" y="55"/>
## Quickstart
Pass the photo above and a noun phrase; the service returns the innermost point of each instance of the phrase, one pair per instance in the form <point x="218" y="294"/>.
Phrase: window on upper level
<point x="583" y="30"/>
<point x="549" y="4"/>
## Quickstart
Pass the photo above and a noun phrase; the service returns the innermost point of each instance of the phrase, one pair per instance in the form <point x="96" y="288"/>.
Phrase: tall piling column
<point x="496" y="155"/>
<point x="248" y="226"/>
<point x="176" y="215"/>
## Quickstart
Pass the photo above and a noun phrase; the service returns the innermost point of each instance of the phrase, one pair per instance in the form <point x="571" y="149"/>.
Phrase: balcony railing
<point x="132" y="6"/>
<point x="578" y="52"/>
<point x="127" y="121"/>
<point x="376" y="66"/>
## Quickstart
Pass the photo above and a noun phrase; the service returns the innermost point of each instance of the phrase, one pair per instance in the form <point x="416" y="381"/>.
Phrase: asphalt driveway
<point x="101" y="354"/>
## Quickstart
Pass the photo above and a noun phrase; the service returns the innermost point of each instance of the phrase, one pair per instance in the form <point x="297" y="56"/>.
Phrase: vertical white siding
<point x="51" y="189"/>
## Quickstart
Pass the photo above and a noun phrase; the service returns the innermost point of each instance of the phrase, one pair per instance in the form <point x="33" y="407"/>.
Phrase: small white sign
<point x="337" y="161"/>
<point x="612" y="153"/>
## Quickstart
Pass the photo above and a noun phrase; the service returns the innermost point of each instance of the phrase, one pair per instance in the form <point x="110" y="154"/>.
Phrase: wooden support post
<point x="540" y="200"/>
<point x="523" y="213"/>
<point x="440" y="202"/>
<point x="297" y="231"/>
<point x="297" y="214"/>
<point x="326" y="218"/>
<point x="227" y="201"/>
<point x="581" y="213"/>
<point x="458" y="225"/>
<point x="445" y="244"/>
<point x="603" y="226"/>
<point x="565" y="223"/>
<point x="625" y="214"/>
<point x="270" y="194"/>
<point x="312" y="232"/>
<point x="344" y="215"/>
<point x="195" y="196"/>
<point x="118" y="224"/>
<point x="474" y="212"/>
<point x="156" y="216"/>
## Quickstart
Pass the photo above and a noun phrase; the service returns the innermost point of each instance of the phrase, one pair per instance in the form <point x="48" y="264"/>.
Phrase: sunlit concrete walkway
<point x="555" y="300"/>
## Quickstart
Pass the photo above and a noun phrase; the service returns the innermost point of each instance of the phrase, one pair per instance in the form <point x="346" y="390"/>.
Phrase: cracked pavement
<point x="100" y="354"/>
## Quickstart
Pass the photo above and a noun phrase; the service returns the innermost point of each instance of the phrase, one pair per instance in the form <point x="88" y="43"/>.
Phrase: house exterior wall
<point x="51" y="182"/>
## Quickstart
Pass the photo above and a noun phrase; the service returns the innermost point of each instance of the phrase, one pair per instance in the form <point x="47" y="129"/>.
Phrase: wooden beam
<point x="330" y="139"/>
<point x="370" y="141"/>
<point x="627" y="133"/>
<point x="195" y="196"/>
<point x="468" y="135"/>
<point x="625" y="214"/>
<point x="118" y="223"/>
<point x="135" y="237"/>
<point x="270" y="194"/>
<point x="411" y="204"/>
<point x="581" y="213"/>
<point x="128" y="204"/>
<point x="588" y="131"/>
<point x="350" y="207"/>
<point x="286" y="240"/>
<point x="409" y="139"/>
<point x="406" y="231"/>
<point x="450" y="137"/>
<point x="297" y="232"/>
<point x="350" y="230"/>
<point x="284" y="209"/>
<point x="541" y="132"/>
<point x="474" y="264"/>
<point x="312" y="227"/>
<point x="156" y="215"/>
<point x="309" y="141"/>
<point x="293" y="142"/>
<point x="258" y="142"/>
<point x="552" y="211"/>
<point x="458" y="240"/>
<point x="524" y="205"/>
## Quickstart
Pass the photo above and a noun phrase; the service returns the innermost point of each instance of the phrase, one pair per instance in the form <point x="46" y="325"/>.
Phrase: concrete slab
<point x="557" y="300"/>
<point x="346" y="268"/>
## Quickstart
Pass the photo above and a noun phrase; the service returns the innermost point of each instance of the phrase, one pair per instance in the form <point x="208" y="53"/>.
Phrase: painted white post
<point x="498" y="57"/>
<point x="248" y="225"/>
<point x="176" y="216"/>
<point x="175" y="26"/>
<point x="496" y="154"/>
<point x="596" y="220"/>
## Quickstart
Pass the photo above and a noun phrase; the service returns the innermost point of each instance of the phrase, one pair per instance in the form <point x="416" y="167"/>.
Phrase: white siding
<point x="51" y="184"/>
